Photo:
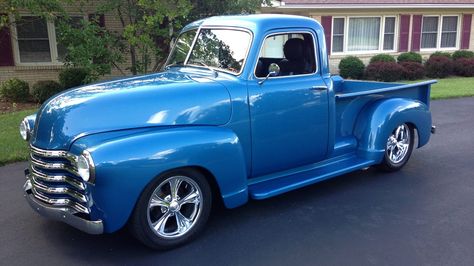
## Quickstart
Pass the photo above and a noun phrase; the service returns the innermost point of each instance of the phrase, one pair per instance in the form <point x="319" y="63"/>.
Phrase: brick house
<point x="368" y="27"/>
<point x="29" y="50"/>
<point x="353" y="27"/>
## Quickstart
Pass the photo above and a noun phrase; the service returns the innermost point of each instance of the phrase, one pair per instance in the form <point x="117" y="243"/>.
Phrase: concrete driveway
<point x="422" y="215"/>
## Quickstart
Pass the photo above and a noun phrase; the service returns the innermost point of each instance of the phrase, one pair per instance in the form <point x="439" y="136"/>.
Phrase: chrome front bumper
<point x="65" y="214"/>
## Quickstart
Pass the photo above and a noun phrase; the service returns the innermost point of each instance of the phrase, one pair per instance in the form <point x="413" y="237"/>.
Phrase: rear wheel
<point x="398" y="148"/>
<point x="173" y="209"/>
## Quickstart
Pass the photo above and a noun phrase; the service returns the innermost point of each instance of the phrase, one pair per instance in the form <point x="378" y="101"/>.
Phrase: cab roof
<point x="255" y="23"/>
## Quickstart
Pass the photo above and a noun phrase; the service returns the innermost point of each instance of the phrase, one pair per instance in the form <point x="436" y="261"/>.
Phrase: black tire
<point x="140" y="222"/>
<point x="390" y="165"/>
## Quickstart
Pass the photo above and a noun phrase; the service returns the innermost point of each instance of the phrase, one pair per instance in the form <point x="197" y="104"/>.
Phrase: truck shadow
<point x="267" y="223"/>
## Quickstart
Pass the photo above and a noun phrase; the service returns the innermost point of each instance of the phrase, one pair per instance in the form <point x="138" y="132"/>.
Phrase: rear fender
<point x="125" y="165"/>
<point x="378" y="119"/>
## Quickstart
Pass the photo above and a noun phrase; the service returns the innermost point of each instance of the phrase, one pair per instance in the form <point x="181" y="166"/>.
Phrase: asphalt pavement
<point x="422" y="215"/>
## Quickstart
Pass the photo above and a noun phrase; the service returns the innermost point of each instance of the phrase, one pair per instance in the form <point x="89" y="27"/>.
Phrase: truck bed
<point x="351" y="96"/>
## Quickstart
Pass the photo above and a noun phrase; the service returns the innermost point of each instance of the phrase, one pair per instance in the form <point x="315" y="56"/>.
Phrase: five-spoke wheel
<point x="398" y="148"/>
<point x="172" y="209"/>
<point x="174" y="206"/>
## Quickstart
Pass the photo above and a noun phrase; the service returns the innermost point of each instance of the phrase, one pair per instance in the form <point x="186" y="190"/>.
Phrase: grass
<point x="454" y="87"/>
<point x="12" y="147"/>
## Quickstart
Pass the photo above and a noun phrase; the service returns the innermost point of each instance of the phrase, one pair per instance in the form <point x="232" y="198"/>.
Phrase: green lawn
<point x="451" y="88"/>
<point x="12" y="147"/>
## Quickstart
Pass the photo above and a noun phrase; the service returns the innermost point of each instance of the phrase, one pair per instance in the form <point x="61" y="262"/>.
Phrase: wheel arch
<point x="125" y="166"/>
<point x="377" y="120"/>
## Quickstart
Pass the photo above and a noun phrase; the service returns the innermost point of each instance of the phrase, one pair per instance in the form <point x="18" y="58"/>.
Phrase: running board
<point x="276" y="186"/>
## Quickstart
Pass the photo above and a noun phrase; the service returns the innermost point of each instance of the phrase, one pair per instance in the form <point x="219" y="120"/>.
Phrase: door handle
<point x="319" y="88"/>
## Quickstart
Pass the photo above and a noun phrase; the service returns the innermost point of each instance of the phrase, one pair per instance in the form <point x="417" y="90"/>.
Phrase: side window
<point x="292" y="52"/>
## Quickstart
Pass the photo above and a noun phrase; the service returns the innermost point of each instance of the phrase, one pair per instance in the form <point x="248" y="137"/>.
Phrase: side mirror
<point x="273" y="71"/>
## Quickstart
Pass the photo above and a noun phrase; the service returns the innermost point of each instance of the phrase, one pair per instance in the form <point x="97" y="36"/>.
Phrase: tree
<point x="149" y="27"/>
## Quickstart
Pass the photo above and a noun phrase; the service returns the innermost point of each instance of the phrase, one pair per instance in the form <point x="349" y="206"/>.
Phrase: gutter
<point x="370" y="6"/>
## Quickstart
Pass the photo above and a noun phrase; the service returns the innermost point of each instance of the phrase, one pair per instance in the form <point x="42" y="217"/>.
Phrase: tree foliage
<point x="149" y="26"/>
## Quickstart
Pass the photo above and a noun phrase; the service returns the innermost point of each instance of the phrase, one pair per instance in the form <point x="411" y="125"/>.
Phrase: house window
<point x="436" y="35"/>
<point x="449" y="31"/>
<point x="338" y="35"/>
<point x="36" y="41"/>
<point x="33" y="40"/>
<point x="363" y="34"/>
<point x="389" y="34"/>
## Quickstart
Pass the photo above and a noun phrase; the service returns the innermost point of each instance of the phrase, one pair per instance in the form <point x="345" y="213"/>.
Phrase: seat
<point x="294" y="62"/>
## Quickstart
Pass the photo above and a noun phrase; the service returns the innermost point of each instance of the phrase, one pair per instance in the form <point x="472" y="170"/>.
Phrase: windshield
<point x="220" y="49"/>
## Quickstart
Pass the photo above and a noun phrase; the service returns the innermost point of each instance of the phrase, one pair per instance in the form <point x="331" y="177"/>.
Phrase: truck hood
<point x="164" y="99"/>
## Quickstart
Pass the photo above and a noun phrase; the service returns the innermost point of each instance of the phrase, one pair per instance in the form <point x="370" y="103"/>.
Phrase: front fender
<point x="126" y="164"/>
<point x="376" y="122"/>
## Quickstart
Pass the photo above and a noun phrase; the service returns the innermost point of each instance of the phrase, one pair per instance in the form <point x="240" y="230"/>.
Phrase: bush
<point x="412" y="70"/>
<point x="438" y="67"/>
<point x="351" y="67"/>
<point x="15" y="90"/>
<point x="410" y="57"/>
<point x="463" y="54"/>
<point x="43" y="90"/>
<point x="464" y="67"/>
<point x="382" y="58"/>
<point x="439" y="53"/>
<point x="72" y="77"/>
<point x="384" y="71"/>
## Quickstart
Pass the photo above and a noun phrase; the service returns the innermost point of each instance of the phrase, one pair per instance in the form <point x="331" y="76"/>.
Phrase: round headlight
<point x="25" y="129"/>
<point x="85" y="167"/>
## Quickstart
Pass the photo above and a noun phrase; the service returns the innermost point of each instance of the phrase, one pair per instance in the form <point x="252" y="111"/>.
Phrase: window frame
<point x="53" y="44"/>
<point x="440" y="31"/>
<point x="200" y="28"/>
<point x="381" y="35"/>
<point x="316" y="57"/>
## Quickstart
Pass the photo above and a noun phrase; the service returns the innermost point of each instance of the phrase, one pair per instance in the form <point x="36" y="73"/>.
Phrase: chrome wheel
<point x="398" y="144"/>
<point x="174" y="207"/>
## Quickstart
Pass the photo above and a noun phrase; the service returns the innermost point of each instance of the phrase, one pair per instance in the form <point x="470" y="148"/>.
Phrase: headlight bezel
<point x="25" y="129"/>
<point x="87" y="173"/>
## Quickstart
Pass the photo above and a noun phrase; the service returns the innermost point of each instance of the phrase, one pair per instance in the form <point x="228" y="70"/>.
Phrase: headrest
<point x="294" y="49"/>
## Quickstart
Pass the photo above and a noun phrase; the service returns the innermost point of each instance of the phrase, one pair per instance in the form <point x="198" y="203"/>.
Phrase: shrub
<point x="463" y="54"/>
<point x="464" y="67"/>
<point x="72" y="77"/>
<point x="15" y="90"/>
<point x="384" y="71"/>
<point x="43" y="90"/>
<point x="438" y="67"/>
<point x="410" y="57"/>
<point x="439" y="53"/>
<point x="412" y="70"/>
<point x="351" y="67"/>
<point x="382" y="58"/>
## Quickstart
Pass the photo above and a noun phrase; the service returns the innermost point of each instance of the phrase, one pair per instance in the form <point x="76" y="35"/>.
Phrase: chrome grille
<point x="54" y="181"/>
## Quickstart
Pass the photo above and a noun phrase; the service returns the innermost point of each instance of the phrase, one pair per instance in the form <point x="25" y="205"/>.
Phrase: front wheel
<point x="172" y="209"/>
<point x="398" y="148"/>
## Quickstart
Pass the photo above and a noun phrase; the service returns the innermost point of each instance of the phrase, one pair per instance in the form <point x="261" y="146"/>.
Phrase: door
<point x="289" y="112"/>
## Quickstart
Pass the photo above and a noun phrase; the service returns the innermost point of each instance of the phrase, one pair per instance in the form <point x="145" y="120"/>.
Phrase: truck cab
<point x="245" y="108"/>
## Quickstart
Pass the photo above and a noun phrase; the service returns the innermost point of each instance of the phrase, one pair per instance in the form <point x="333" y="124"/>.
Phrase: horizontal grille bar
<point x="59" y="202"/>
<point x="52" y="153"/>
<point x="57" y="179"/>
<point x="59" y="191"/>
<point x="52" y="166"/>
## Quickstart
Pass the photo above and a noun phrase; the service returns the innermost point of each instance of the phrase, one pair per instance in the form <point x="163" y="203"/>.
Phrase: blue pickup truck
<point x="245" y="108"/>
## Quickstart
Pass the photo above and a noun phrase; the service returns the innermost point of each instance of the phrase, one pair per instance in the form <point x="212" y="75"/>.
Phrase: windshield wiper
<point x="208" y="67"/>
